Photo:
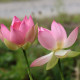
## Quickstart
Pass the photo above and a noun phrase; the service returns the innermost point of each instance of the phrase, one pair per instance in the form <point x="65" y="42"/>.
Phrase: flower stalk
<point x="61" y="73"/>
<point x="28" y="67"/>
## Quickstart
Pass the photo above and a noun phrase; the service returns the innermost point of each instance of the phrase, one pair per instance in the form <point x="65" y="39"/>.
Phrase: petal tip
<point x="32" y="65"/>
<point x="54" y="21"/>
<point x="15" y="18"/>
<point x="30" y="16"/>
<point x="2" y="25"/>
<point x="77" y="28"/>
<point x="25" y="18"/>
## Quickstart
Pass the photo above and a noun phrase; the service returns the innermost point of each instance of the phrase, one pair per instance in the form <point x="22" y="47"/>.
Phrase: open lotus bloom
<point x="55" y="40"/>
<point x="21" y="34"/>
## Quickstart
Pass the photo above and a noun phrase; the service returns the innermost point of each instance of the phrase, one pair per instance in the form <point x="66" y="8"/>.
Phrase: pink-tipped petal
<point x="15" y="23"/>
<point x="16" y="36"/>
<point x="5" y="32"/>
<point x="15" y="19"/>
<point x="46" y="39"/>
<point x="58" y="31"/>
<point x="23" y="27"/>
<point x="42" y="29"/>
<point x="26" y="24"/>
<point x="29" y="22"/>
<point x="71" y="39"/>
<point x="42" y="60"/>
<point x="31" y="34"/>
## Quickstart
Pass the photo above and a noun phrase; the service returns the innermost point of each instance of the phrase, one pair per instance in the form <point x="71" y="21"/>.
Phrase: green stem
<point x="61" y="73"/>
<point x="28" y="67"/>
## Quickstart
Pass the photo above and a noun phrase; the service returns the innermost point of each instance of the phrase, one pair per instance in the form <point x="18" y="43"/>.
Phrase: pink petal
<point x="46" y="39"/>
<point x="42" y="29"/>
<point x="5" y="32"/>
<point x="16" y="36"/>
<point x="29" y="22"/>
<point x="58" y="31"/>
<point x="72" y="38"/>
<point x="26" y="24"/>
<point x="42" y="60"/>
<point x="15" y="19"/>
<point x="16" y="23"/>
<point x="31" y="34"/>
<point x="23" y="27"/>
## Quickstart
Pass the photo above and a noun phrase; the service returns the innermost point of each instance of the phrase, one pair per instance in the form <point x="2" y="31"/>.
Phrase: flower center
<point x="58" y="46"/>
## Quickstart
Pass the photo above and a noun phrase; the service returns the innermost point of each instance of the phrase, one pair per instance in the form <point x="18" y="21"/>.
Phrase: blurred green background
<point x="13" y="65"/>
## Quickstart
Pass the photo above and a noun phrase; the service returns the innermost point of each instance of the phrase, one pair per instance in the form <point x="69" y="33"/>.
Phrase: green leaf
<point x="10" y="45"/>
<point x="73" y="54"/>
<point x="52" y="62"/>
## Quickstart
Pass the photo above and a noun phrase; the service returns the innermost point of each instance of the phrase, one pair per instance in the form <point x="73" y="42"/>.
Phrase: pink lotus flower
<point x="21" y="33"/>
<point x="55" y="40"/>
